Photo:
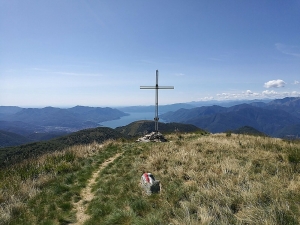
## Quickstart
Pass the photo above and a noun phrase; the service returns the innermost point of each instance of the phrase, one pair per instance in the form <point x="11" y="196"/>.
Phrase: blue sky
<point x="98" y="53"/>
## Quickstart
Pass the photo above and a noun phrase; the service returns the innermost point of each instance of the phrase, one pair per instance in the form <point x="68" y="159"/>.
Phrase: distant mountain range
<point x="277" y="118"/>
<point x="162" y="108"/>
<point x="23" y="125"/>
<point x="189" y="105"/>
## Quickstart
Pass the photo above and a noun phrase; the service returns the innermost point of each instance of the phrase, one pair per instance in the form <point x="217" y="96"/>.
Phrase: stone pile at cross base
<point x="152" y="137"/>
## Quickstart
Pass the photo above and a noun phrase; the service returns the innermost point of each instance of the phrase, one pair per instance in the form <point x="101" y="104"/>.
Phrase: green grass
<point x="206" y="179"/>
<point x="45" y="188"/>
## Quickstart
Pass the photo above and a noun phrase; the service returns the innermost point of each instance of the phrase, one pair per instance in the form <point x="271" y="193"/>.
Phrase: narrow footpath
<point x="87" y="195"/>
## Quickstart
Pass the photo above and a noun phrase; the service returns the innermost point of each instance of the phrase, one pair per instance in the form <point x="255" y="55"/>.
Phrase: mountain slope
<point x="220" y="119"/>
<point x="183" y="115"/>
<point x="143" y="127"/>
<point x="19" y="127"/>
<point x="290" y="105"/>
<point x="247" y="130"/>
<point x="96" y="114"/>
<point x="88" y="136"/>
<point x="12" y="139"/>
<point x="7" y="110"/>
<point x="51" y="116"/>
<point x="290" y="131"/>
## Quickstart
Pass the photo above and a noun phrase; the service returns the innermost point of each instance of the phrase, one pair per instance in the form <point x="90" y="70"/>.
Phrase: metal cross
<point x="156" y="87"/>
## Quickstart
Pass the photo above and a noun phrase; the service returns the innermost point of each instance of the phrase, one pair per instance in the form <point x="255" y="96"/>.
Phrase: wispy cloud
<point x="274" y="84"/>
<point x="288" y="49"/>
<point x="243" y="95"/>
<point x="79" y="74"/>
<point x="296" y="82"/>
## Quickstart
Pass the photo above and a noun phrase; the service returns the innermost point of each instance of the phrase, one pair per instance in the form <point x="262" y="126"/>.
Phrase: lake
<point x="125" y="120"/>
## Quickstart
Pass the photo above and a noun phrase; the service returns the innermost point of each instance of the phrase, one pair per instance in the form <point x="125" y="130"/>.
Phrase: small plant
<point x="228" y="134"/>
<point x="294" y="155"/>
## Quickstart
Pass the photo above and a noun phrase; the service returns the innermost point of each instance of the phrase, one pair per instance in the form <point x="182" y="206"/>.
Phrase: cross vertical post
<point x="156" y="104"/>
<point x="156" y="87"/>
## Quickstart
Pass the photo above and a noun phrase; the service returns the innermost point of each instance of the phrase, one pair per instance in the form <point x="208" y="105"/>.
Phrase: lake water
<point x="125" y="120"/>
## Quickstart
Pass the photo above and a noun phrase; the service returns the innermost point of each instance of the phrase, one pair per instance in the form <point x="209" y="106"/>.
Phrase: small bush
<point x="294" y="156"/>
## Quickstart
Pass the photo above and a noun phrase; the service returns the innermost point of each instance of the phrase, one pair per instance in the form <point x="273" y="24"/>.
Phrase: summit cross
<point x="156" y="87"/>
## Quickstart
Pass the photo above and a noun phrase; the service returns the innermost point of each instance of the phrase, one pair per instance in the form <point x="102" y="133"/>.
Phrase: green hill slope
<point x="205" y="179"/>
<point x="249" y="131"/>
<point x="142" y="127"/>
<point x="268" y="119"/>
<point x="11" y="139"/>
<point x="18" y="153"/>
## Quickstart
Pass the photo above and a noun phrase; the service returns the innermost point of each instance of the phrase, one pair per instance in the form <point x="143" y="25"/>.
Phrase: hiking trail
<point x="87" y="195"/>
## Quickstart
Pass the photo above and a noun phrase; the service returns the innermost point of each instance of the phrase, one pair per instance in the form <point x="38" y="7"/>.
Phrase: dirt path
<point x="87" y="195"/>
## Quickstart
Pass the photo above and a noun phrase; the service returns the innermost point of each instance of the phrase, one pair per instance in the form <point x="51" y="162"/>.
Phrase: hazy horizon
<point x="204" y="102"/>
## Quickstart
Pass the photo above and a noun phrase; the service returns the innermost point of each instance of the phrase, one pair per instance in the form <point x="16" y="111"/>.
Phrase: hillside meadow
<point x="205" y="179"/>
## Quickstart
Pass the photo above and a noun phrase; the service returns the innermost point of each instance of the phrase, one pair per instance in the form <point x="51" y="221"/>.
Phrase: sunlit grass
<point x="206" y="179"/>
<point x="41" y="190"/>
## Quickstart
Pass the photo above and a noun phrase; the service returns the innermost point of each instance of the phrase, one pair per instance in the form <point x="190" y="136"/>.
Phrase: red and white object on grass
<point x="149" y="183"/>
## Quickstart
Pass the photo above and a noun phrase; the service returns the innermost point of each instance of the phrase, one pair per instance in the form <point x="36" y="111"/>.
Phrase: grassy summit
<point x="206" y="179"/>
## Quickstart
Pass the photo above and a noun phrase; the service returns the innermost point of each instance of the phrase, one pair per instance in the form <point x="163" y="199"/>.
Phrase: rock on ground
<point x="152" y="137"/>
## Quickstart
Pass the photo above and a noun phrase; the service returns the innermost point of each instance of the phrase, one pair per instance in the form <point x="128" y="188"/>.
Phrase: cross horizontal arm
<point x="156" y="87"/>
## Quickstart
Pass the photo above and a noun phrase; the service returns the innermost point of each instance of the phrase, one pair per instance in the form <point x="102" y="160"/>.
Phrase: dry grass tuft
<point x="218" y="179"/>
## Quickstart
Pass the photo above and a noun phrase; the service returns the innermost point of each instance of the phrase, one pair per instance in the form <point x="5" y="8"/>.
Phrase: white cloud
<point x="274" y="84"/>
<point x="255" y="95"/>
<point x="296" y="82"/>
<point x="206" y="98"/>
<point x="274" y="94"/>
<point x="268" y="92"/>
<point x="295" y="93"/>
<point x="243" y="95"/>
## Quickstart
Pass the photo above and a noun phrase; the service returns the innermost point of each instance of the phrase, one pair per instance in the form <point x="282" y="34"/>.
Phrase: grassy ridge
<point x="142" y="127"/>
<point x="206" y="179"/>
<point x="42" y="190"/>
<point x="15" y="154"/>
